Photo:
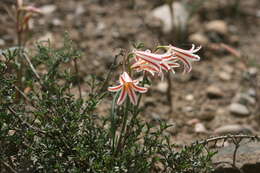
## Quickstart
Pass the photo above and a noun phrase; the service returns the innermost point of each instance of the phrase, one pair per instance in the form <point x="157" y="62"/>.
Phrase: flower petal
<point x="187" y="64"/>
<point x="186" y="53"/>
<point x="140" y="89"/>
<point x="122" y="96"/>
<point x="115" y="88"/>
<point x="132" y="95"/>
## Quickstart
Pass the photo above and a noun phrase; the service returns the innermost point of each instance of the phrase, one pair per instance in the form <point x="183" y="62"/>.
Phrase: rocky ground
<point x="221" y="94"/>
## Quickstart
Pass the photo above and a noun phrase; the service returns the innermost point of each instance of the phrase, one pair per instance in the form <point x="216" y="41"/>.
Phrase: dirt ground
<point x="202" y="99"/>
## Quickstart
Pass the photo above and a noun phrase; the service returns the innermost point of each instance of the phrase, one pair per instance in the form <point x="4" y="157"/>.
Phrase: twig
<point x="32" y="67"/>
<point x="213" y="139"/>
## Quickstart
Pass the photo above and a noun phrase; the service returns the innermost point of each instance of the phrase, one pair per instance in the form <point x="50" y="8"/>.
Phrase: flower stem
<point x="124" y="125"/>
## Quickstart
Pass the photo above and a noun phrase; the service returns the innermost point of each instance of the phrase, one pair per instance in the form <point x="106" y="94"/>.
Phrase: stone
<point x="218" y="26"/>
<point x="189" y="97"/>
<point x="200" y="128"/>
<point x="207" y="115"/>
<point x="2" y="42"/>
<point x="233" y="129"/>
<point x="244" y="99"/>
<point x="213" y="92"/>
<point x="48" y="9"/>
<point x="162" y="87"/>
<point x="180" y="16"/>
<point x="252" y="71"/>
<point x="224" y="76"/>
<point x="199" y="38"/>
<point x="187" y="109"/>
<point x="239" y="109"/>
<point x="57" y="22"/>
<point x="251" y="92"/>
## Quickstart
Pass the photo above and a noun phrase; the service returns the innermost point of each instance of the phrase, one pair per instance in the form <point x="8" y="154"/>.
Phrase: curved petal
<point x="115" y="88"/>
<point x="140" y="89"/>
<point x="132" y="95"/>
<point x="124" y="78"/>
<point x="122" y="96"/>
<point x="186" y="53"/>
<point x="187" y="64"/>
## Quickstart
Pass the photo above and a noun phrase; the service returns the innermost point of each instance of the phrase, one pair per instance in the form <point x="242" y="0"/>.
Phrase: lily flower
<point x="154" y="63"/>
<point x="186" y="56"/>
<point x="142" y="65"/>
<point x="127" y="87"/>
<point x="151" y="58"/>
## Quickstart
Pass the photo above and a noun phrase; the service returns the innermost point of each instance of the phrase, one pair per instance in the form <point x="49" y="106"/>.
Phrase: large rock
<point x="180" y="16"/>
<point x="247" y="159"/>
<point x="233" y="129"/>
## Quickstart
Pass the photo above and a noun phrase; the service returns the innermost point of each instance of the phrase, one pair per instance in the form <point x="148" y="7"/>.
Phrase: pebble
<point x="187" y="109"/>
<point x="2" y="42"/>
<point x="218" y="26"/>
<point x="207" y="115"/>
<point x="244" y="99"/>
<point x="162" y="87"/>
<point x="57" y="22"/>
<point x="213" y="92"/>
<point x="189" y="97"/>
<point x="199" y="38"/>
<point x="251" y="92"/>
<point x="233" y="129"/>
<point x="252" y="71"/>
<point x="48" y="9"/>
<point x="224" y="76"/>
<point x="239" y="109"/>
<point x="200" y="128"/>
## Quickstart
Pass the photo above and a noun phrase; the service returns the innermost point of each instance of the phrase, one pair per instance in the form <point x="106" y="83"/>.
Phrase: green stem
<point x="122" y="133"/>
<point x="113" y="124"/>
<point x="169" y="92"/>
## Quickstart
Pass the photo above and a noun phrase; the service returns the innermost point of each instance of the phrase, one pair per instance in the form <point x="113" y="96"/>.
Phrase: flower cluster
<point x="153" y="63"/>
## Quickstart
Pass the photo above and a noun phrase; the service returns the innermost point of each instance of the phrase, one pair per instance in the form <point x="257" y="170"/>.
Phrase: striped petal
<point x="140" y="89"/>
<point x="186" y="53"/>
<point x="122" y="96"/>
<point x="132" y="95"/>
<point x="115" y="88"/>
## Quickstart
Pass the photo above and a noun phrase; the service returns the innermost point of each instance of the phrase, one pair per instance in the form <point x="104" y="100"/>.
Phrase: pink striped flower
<point x="154" y="63"/>
<point x="186" y="56"/>
<point x="127" y="87"/>
<point x="142" y="65"/>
